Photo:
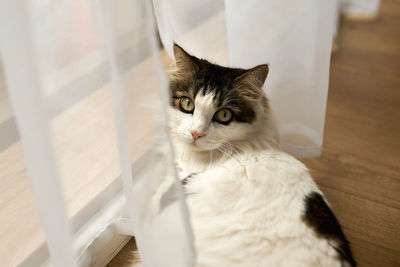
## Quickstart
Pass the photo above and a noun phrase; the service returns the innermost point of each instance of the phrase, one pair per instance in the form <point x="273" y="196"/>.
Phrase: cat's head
<point x="214" y="106"/>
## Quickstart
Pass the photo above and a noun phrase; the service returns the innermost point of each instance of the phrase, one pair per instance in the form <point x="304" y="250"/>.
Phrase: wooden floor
<point x="359" y="170"/>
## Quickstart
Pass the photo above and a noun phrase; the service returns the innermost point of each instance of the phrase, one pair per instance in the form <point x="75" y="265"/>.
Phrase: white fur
<point x="247" y="212"/>
<point x="247" y="199"/>
<point x="219" y="140"/>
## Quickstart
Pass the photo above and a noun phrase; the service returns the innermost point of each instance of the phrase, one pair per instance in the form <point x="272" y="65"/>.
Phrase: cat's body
<point x="250" y="203"/>
<point x="249" y="211"/>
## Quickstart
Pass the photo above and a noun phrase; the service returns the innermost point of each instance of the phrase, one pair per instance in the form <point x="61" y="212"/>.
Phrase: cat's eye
<point x="223" y="116"/>
<point x="186" y="104"/>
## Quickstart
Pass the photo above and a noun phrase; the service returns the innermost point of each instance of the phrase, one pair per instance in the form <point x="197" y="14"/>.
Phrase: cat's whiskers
<point x="231" y="146"/>
<point x="233" y="156"/>
<point x="225" y="153"/>
<point x="227" y="149"/>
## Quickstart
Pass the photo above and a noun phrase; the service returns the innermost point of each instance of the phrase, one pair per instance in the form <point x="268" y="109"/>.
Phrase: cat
<point x="250" y="203"/>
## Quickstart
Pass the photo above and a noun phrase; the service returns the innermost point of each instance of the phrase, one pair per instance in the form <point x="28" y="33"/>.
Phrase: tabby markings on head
<point x="233" y="88"/>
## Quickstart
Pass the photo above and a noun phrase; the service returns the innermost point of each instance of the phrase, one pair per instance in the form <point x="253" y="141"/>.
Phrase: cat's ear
<point x="255" y="76"/>
<point x="184" y="61"/>
<point x="250" y="83"/>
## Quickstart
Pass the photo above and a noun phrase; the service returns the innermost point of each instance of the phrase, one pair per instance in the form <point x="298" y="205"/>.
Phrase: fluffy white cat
<point x="250" y="203"/>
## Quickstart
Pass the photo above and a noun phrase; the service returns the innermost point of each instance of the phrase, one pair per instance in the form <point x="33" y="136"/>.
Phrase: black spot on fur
<point x="319" y="216"/>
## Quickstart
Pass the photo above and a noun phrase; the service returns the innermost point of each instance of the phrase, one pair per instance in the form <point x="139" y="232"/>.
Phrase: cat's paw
<point x="187" y="179"/>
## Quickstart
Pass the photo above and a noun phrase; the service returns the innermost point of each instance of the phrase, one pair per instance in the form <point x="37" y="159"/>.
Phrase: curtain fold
<point x="25" y="91"/>
<point x="161" y="223"/>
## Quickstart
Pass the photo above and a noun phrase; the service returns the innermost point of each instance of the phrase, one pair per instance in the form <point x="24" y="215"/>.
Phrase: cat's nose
<point x="196" y="135"/>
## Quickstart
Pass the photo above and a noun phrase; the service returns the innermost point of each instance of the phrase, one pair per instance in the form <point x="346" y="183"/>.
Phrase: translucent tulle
<point x="89" y="94"/>
<point x="293" y="37"/>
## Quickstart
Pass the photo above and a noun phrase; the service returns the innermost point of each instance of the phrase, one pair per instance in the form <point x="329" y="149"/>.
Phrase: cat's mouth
<point x="195" y="145"/>
<point x="202" y="146"/>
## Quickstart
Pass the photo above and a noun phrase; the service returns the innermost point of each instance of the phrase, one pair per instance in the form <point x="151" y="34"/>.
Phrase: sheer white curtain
<point x="293" y="37"/>
<point x="88" y="94"/>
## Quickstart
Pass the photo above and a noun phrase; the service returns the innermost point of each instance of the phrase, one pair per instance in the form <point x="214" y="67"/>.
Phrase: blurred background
<point x="82" y="73"/>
